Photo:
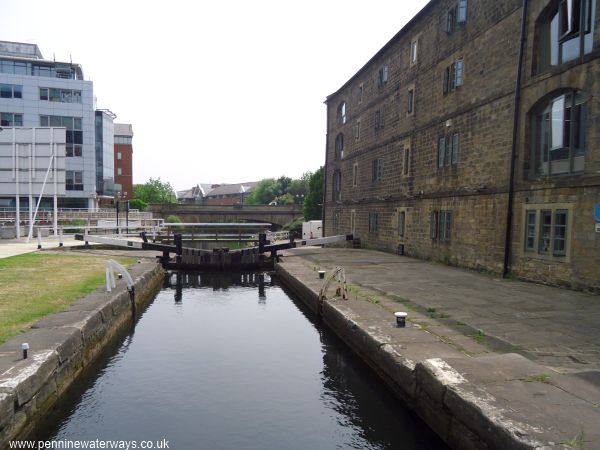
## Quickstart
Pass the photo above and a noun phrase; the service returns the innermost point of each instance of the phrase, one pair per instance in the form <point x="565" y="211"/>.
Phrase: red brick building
<point x="124" y="159"/>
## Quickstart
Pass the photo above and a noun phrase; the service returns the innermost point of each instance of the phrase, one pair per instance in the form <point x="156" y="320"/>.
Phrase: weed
<point x="479" y="337"/>
<point x="577" y="441"/>
<point x="542" y="378"/>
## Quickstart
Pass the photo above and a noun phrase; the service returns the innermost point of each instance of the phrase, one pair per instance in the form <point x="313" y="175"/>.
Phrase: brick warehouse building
<point x="420" y="140"/>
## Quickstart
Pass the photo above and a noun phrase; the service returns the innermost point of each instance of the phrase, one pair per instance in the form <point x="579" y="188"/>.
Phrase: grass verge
<point x="36" y="284"/>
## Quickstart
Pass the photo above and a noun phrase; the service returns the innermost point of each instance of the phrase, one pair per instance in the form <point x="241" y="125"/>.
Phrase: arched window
<point x="341" y="114"/>
<point x="339" y="146"/>
<point x="559" y="133"/>
<point x="565" y="32"/>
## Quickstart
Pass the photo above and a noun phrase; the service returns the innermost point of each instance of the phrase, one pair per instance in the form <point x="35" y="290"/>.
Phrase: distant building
<point x="195" y="195"/>
<point x="230" y="194"/>
<point x="428" y="155"/>
<point x="217" y="194"/>
<point x="35" y="92"/>
<point x="105" y="147"/>
<point x="123" y="159"/>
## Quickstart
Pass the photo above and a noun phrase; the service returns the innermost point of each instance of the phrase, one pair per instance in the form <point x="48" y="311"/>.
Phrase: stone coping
<point x="61" y="345"/>
<point x="471" y="397"/>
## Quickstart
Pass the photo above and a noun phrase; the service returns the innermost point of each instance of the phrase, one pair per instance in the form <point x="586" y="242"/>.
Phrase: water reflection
<point x="215" y="365"/>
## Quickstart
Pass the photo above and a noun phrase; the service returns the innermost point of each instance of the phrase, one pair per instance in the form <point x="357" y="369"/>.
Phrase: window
<point x="406" y="161"/>
<point x="339" y="146"/>
<point x="361" y="90"/>
<point x="341" y="114"/>
<point x="74" y="180"/>
<point x="383" y="75"/>
<point x="355" y="175"/>
<point x="546" y="231"/>
<point x="413" y="51"/>
<point x="377" y="172"/>
<point x="565" y="32"/>
<point x="401" y="223"/>
<point x="119" y="156"/>
<point x="11" y="91"/>
<point x="123" y="140"/>
<point x="456" y="15"/>
<point x="378" y="119"/>
<point x="530" y="230"/>
<point x="357" y="130"/>
<point x="337" y="186"/>
<point x="353" y="221"/>
<point x="448" y="150"/>
<point x="60" y="95"/>
<point x="11" y="120"/>
<point x="453" y="76"/>
<point x="559" y="135"/>
<point x="373" y="222"/>
<point x="410" y="101"/>
<point x="336" y="218"/>
<point x="461" y="11"/>
<point x="119" y="171"/>
<point x="440" y="225"/>
<point x="74" y="133"/>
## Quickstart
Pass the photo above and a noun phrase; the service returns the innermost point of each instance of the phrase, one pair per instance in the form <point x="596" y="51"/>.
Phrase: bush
<point x="138" y="204"/>
<point x="173" y="219"/>
<point x="76" y="223"/>
<point x="294" y="225"/>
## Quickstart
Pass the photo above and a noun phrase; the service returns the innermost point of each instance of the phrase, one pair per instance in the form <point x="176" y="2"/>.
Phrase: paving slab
<point x="457" y="353"/>
<point x="529" y="318"/>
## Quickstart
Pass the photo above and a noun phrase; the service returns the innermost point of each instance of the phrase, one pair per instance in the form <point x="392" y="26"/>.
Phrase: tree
<point x="155" y="191"/>
<point x="263" y="193"/>
<point x="138" y="204"/>
<point x="313" y="202"/>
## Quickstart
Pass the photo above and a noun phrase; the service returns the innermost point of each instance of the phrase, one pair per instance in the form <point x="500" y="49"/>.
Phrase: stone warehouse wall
<point x="475" y="185"/>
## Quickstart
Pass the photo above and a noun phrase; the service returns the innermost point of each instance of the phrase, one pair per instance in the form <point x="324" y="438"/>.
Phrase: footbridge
<point x="276" y="215"/>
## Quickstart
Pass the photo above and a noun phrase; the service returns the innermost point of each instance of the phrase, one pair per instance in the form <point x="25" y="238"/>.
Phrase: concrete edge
<point x="431" y="388"/>
<point x="61" y="345"/>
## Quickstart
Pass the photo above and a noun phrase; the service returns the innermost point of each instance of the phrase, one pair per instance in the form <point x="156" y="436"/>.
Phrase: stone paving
<point x="555" y="327"/>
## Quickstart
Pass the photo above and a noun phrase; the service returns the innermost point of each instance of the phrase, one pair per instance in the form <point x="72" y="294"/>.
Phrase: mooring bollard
<point x="60" y="237"/>
<point x="39" y="238"/>
<point x="24" y="347"/>
<point x="321" y="274"/>
<point x="400" y="319"/>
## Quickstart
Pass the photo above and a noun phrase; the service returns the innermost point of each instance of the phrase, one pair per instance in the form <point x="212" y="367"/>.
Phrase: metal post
<point x="30" y="192"/>
<point x="117" y="204"/>
<point x="17" y="193"/>
<point x="55" y="176"/>
<point x="60" y="238"/>
<point x="127" y="216"/>
<point x="39" y="238"/>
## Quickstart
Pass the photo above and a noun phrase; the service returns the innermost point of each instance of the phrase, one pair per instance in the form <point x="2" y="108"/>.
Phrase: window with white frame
<point x="406" y="161"/>
<point x="74" y="180"/>
<point x="355" y="175"/>
<point x="337" y="186"/>
<point x="119" y="156"/>
<point x="383" y="75"/>
<point x="414" y="48"/>
<point x="341" y="114"/>
<point x="60" y="95"/>
<point x="74" y="134"/>
<point x="456" y="15"/>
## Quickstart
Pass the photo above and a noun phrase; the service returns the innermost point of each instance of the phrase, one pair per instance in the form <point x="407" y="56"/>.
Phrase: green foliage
<point x="313" y="202"/>
<point x="154" y="191"/>
<point x="138" y="204"/>
<point x="283" y="190"/>
<point x="173" y="219"/>
<point x="285" y="199"/>
<point x="294" y="225"/>
<point x="76" y="223"/>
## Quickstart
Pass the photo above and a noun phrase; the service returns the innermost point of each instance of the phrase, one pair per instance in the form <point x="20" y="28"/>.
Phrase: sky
<point x="219" y="91"/>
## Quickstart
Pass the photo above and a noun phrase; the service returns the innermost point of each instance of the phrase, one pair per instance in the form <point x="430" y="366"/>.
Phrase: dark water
<point x="229" y="362"/>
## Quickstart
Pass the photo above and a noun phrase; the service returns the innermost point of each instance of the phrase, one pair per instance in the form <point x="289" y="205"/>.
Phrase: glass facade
<point x="56" y="70"/>
<point x="104" y="145"/>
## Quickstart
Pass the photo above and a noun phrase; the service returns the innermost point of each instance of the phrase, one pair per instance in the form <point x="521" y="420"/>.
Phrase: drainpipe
<point x="325" y="176"/>
<point x="513" y="155"/>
